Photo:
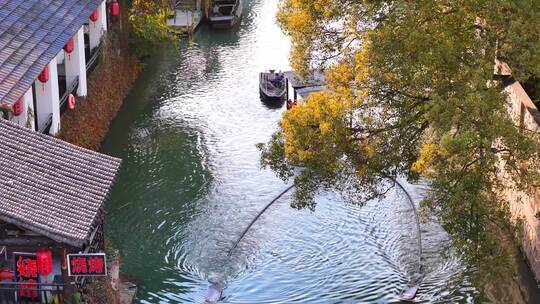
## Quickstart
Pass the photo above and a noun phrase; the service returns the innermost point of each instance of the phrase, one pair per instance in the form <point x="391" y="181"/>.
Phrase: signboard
<point x="26" y="270"/>
<point x="87" y="264"/>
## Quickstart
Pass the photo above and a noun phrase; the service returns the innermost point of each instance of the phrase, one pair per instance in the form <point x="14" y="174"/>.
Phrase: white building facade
<point x="39" y="103"/>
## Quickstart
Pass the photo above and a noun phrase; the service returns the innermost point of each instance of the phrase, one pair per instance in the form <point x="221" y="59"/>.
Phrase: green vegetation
<point x="532" y="86"/>
<point x="410" y="94"/>
<point x="148" y="20"/>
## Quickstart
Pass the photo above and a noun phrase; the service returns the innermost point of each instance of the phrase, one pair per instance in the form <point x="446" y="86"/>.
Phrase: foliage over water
<point x="190" y="183"/>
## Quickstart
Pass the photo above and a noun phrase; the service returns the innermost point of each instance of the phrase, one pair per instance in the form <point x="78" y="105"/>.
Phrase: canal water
<point x="191" y="182"/>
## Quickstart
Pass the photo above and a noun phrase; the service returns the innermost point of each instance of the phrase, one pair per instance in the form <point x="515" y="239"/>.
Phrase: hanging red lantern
<point x="6" y="274"/>
<point x="44" y="261"/>
<point x="44" y="75"/>
<point x="114" y="9"/>
<point x="17" y="107"/>
<point x="68" y="48"/>
<point x="95" y="15"/>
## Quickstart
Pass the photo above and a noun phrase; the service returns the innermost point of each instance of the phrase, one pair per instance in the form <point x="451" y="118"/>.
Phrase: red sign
<point x="87" y="264"/>
<point x="26" y="272"/>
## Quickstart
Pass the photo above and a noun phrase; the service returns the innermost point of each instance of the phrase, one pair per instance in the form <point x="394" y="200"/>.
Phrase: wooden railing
<point x="93" y="61"/>
<point x="46" y="127"/>
<point x="30" y="293"/>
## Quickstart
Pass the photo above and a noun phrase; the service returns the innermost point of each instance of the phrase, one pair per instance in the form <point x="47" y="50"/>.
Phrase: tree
<point x="410" y="93"/>
<point x="148" y="19"/>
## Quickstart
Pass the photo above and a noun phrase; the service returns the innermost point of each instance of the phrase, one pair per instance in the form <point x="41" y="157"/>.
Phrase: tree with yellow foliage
<point x="148" y="20"/>
<point x="410" y="94"/>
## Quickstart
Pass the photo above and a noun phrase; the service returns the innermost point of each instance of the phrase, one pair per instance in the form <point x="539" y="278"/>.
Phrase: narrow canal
<point x="191" y="182"/>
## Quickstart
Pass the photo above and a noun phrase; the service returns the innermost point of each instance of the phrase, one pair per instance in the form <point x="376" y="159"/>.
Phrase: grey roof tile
<point x="314" y="78"/>
<point x="52" y="187"/>
<point x="32" y="32"/>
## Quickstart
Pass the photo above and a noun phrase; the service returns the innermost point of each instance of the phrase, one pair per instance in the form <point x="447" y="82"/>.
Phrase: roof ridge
<point x="56" y="140"/>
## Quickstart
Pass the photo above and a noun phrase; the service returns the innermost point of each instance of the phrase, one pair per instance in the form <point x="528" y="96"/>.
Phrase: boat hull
<point x="271" y="97"/>
<point x="270" y="91"/>
<point x="223" y="24"/>
<point x="228" y="21"/>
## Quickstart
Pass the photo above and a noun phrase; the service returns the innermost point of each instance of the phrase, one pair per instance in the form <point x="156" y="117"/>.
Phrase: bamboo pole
<point x="256" y="218"/>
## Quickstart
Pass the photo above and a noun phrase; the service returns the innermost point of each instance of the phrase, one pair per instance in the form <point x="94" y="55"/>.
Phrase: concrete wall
<point x="47" y="99"/>
<point x="98" y="27"/>
<point x="524" y="206"/>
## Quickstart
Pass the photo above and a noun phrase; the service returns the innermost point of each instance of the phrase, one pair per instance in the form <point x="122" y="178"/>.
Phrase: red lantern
<point x="44" y="75"/>
<point x="6" y="274"/>
<point x="114" y="9"/>
<point x="17" y="108"/>
<point x="44" y="261"/>
<point x="95" y="15"/>
<point x="68" y="48"/>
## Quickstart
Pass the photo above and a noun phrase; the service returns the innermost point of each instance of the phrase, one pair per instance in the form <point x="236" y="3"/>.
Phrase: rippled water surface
<point x="191" y="182"/>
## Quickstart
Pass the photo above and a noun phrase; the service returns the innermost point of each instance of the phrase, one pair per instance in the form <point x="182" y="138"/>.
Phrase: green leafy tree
<point x="148" y="20"/>
<point x="410" y="93"/>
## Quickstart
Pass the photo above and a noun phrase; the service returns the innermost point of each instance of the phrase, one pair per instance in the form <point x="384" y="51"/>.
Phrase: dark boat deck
<point x="272" y="85"/>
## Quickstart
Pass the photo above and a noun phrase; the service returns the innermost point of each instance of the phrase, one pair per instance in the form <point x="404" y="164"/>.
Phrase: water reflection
<point x="273" y="104"/>
<point x="191" y="182"/>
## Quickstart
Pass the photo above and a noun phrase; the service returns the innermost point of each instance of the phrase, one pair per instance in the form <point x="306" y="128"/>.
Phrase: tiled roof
<point x="52" y="187"/>
<point x="313" y="79"/>
<point x="32" y="32"/>
<point x="305" y="92"/>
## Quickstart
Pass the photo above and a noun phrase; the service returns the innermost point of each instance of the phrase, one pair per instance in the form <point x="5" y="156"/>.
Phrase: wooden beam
<point x="28" y="241"/>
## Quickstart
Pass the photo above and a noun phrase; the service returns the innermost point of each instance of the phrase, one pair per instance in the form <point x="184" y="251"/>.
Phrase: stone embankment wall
<point x="524" y="206"/>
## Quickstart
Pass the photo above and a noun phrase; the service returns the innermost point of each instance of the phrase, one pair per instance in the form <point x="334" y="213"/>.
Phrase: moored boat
<point x="272" y="85"/>
<point x="225" y="13"/>
<point x="185" y="16"/>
